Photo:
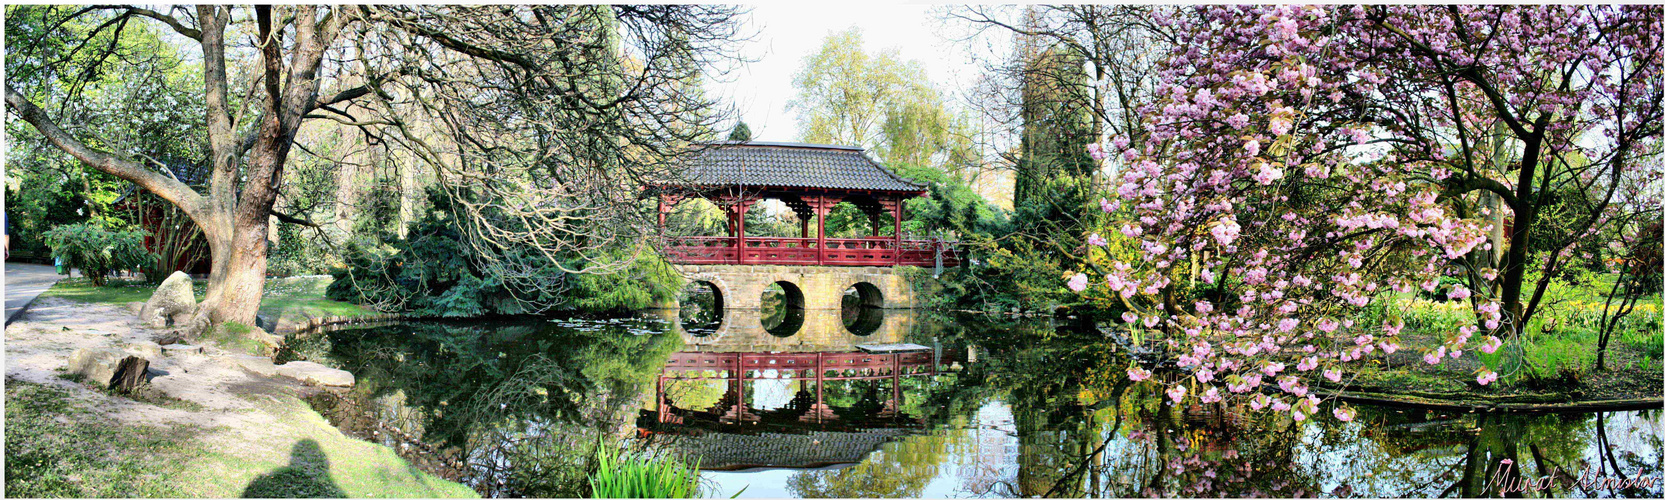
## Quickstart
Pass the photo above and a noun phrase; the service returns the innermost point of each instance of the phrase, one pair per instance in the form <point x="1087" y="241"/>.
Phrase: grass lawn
<point x="305" y="296"/>
<point x="116" y="291"/>
<point x="1553" y="360"/>
<point x="284" y="298"/>
<point x="55" y="448"/>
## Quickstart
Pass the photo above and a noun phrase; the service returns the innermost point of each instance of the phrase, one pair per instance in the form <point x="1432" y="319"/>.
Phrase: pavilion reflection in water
<point x="744" y="396"/>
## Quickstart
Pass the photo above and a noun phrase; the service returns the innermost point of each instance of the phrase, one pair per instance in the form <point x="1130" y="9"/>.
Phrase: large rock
<point x="109" y="368"/>
<point x="171" y="305"/>
<point x="316" y="373"/>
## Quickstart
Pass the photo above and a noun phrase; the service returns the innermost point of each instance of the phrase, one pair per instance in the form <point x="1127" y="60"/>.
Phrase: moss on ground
<point x="234" y="336"/>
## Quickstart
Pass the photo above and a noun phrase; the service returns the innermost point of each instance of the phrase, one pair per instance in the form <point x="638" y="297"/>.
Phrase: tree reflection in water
<point x="1069" y="425"/>
<point x="1034" y="409"/>
<point x="511" y="408"/>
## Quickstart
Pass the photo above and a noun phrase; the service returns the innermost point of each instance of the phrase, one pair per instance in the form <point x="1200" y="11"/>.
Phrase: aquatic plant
<point x="624" y="473"/>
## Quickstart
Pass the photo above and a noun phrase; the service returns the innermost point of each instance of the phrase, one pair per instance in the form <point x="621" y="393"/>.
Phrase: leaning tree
<point x="1302" y="161"/>
<point x="544" y="115"/>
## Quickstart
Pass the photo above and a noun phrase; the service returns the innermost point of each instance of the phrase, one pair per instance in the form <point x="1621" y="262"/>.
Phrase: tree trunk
<point x="1520" y="238"/>
<point x="1514" y="271"/>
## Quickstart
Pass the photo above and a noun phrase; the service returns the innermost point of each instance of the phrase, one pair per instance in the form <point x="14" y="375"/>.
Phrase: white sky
<point x="786" y="34"/>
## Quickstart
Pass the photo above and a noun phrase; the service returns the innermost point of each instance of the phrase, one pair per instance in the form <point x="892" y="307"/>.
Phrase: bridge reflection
<point x="742" y="397"/>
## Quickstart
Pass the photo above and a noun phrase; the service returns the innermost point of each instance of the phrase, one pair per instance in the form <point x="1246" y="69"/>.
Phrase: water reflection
<point x="508" y="407"/>
<point x="862" y="320"/>
<point x="983" y="408"/>
<point x="701" y="311"/>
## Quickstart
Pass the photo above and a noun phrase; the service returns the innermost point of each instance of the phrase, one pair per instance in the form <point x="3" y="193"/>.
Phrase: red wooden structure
<point x="810" y="179"/>
<point x="819" y="367"/>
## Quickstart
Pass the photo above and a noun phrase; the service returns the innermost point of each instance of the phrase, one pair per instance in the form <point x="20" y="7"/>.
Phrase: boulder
<point x="171" y="305"/>
<point x="109" y="368"/>
<point x="316" y="373"/>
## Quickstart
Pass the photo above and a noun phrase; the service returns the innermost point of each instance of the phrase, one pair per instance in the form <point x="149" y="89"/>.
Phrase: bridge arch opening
<point x="864" y="294"/>
<point x="700" y="308"/>
<point x="862" y="308"/>
<point x="783" y="308"/>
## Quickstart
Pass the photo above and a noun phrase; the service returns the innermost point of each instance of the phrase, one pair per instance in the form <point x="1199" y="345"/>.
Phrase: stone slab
<point x="144" y="349"/>
<point x="316" y="373"/>
<point x="891" y="348"/>
<point x="260" y="365"/>
<point x="181" y="349"/>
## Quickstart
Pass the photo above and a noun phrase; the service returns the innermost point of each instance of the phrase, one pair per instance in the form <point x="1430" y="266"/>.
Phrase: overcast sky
<point x="786" y="34"/>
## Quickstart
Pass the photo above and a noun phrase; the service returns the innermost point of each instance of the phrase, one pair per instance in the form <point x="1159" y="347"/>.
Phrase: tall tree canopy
<point x="538" y="117"/>
<point x="849" y="96"/>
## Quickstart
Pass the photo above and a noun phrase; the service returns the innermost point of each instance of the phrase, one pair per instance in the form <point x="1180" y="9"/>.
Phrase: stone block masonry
<point x="821" y="287"/>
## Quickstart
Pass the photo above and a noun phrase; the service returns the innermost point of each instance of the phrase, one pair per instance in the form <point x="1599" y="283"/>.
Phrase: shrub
<point x="97" y="250"/>
<point x="437" y="271"/>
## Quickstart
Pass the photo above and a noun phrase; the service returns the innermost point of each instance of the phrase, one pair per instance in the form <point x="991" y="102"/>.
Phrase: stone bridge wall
<point x="822" y="286"/>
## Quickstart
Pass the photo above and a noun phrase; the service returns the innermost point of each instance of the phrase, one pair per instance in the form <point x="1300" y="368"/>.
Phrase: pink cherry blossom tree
<point x="1302" y="162"/>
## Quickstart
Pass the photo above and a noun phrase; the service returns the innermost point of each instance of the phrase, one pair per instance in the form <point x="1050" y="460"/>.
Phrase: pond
<point x="975" y="407"/>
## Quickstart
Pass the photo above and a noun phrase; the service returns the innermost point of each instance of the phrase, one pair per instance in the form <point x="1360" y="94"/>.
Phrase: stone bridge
<point x="806" y="287"/>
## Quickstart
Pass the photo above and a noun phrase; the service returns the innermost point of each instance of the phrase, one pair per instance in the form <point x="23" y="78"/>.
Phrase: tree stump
<point x="109" y="368"/>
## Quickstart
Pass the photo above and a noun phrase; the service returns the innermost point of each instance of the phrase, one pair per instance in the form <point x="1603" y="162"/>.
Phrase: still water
<point x="808" y="404"/>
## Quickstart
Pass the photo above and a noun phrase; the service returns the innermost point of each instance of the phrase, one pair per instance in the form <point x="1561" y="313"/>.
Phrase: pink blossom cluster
<point x="1276" y="171"/>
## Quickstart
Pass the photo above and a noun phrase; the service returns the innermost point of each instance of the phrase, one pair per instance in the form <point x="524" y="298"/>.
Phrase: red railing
<point x="854" y="365"/>
<point x="804" y="252"/>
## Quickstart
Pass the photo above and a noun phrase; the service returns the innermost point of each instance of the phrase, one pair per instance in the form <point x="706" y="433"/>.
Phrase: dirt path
<point x="251" y="426"/>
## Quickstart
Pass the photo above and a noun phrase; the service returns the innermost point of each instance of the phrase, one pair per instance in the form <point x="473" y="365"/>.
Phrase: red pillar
<point x="821" y="208"/>
<point x="896" y="210"/>
<point x="740" y="232"/>
<point x="739" y="210"/>
<point x="662" y="214"/>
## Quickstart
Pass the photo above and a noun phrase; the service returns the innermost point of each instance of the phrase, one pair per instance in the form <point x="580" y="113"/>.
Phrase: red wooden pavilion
<point x="810" y="179"/>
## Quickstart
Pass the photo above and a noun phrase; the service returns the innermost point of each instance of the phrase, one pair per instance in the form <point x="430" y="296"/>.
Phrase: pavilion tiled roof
<point x="735" y="451"/>
<point x="792" y="165"/>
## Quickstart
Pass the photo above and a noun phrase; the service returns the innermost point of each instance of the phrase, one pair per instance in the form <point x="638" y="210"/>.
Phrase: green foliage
<point x="624" y="473"/>
<point x="138" y="100"/>
<point x="741" y="133"/>
<point x="648" y="281"/>
<point x="436" y="271"/>
<point x="55" y="449"/>
<point x="295" y="254"/>
<point x="1057" y="127"/>
<point x="96" y="250"/>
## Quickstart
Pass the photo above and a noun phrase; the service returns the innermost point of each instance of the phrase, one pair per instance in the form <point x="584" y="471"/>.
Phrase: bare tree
<point x="546" y="114"/>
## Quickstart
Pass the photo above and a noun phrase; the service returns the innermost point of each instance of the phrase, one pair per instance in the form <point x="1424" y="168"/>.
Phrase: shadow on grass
<point x="307" y="476"/>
